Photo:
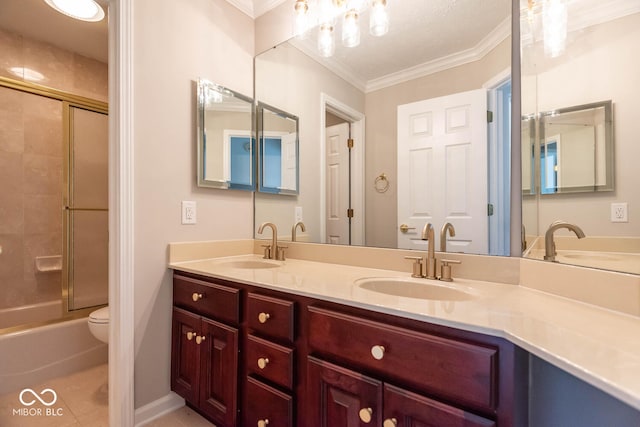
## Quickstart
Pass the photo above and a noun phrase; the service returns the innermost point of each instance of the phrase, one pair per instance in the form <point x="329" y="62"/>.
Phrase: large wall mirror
<point x="567" y="73"/>
<point x="394" y="132"/>
<point x="226" y="145"/>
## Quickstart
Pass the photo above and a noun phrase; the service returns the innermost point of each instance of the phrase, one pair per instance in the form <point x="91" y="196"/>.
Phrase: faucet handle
<point x="267" y="251"/>
<point x="417" y="265"/>
<point x="280" y="252"/>
<point x="446" y="269"/>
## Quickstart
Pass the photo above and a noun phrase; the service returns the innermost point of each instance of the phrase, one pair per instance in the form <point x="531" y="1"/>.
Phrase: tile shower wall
<point x="31" y="164"/>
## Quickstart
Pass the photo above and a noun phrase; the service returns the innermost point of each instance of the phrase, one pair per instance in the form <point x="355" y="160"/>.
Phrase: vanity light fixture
<point x="84" y="10"/>
<point x="308" y="13"/>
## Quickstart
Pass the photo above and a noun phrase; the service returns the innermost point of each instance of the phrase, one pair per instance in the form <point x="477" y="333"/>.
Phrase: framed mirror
<point x="226" y="145"/>
<point x="278" y="159"/>
<point x="576" y="149"/>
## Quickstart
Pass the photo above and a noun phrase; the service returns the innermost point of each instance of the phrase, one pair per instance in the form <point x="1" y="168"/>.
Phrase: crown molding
<point x="255" y="8"/>
<point x="488" y="43"/>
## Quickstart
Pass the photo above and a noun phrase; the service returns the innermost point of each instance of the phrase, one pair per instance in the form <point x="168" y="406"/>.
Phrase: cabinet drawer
<point x="207" y="299"/>
<point x="271" y="317"/>
<point x="452" y="369"/>
<point x="410" y="409"/>
<point x="270" y="361"/>
<point x="266" y="404"/>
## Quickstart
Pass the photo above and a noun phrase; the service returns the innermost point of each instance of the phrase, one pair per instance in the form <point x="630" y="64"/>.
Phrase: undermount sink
<point x="418" y="288"/>
<point x="251" y="264"/>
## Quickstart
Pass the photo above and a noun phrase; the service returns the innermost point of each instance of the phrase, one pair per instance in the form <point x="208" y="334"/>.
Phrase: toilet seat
<point x="100" y="316"/>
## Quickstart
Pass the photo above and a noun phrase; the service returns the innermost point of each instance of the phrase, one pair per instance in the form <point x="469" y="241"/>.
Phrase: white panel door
<point x="442" y="170"/>
<point x="337" y="184"/>
<point x="288" y="162"/>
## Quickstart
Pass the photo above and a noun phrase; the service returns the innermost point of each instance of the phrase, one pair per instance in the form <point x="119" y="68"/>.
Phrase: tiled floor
<point x="82" y="401"/>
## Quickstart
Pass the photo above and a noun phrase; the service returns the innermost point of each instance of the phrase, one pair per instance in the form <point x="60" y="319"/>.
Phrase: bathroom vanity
<point x="247" y="355"/>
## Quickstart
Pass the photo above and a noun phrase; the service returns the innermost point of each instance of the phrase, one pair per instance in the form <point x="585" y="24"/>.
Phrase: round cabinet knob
<point x="199" y="339"/>
<point x="263" y="362"/>
<point x="263" y="317"/>
<point x="365" y="415"/>
<point x="263" y="423"/>
<point x="196" y="296"/>
<point x="390" y="422"/>
<point x="377" y="351"/>
<point x="190" y="335"/>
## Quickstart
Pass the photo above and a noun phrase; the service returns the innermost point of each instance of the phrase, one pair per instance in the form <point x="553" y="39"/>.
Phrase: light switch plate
<point x="188" y="212"/>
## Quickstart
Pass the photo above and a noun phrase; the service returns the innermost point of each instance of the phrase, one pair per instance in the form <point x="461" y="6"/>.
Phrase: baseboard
<point x="158" y="408"/>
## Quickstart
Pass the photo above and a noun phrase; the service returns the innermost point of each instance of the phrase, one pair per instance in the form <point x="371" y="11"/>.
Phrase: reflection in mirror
<point x="445" y="60"/>
<point x="528" y="139"/>
<point x="576" y="149"/>
<point x="593" y="63"/>
<point x="278" y="163"/>
<point x="225" y="140"/>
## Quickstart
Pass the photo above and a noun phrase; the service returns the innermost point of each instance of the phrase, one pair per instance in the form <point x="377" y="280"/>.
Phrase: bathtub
<point x="32" y="313"/>
<point x="35" y="355"/>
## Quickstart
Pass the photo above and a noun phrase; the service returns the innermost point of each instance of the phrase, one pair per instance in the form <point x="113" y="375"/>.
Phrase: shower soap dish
<point x="47" y="264"/>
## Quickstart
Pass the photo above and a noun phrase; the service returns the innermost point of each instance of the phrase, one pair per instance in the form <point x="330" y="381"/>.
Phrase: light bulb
<point x="301" y="21"/>
<point x="350" y="29"/>
<point x="554" y="27"/>
<point x="379" y="21"/>
<point x="326" y="42"/>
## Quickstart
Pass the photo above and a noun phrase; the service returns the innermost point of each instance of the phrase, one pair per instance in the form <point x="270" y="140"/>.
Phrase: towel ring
<point x="381" y="183"/>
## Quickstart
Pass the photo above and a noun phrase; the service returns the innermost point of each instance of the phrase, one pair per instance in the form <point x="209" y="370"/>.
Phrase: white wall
<point x="175" y="42"/>
<point x="599" y="64"/>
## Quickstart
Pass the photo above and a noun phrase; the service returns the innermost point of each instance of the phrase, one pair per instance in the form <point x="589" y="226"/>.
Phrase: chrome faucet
<point x="273" y="251"/>
<point x="550" y="245"/>
<point x="293" y="229"/>
<point x="443" y="235"/>
<point x="430" y="264"/>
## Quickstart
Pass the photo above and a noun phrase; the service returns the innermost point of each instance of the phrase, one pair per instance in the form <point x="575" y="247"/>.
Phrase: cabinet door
<point x="219" y="372"/>
<point x="406" y="409"/>
<point x="266" y="404"/>
<point x="185" y="355"/>
<point x="339" y="397"/>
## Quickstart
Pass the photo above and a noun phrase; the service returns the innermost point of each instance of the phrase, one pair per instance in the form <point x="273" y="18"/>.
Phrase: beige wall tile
<point x="42" y="214"/>
<point x="11" y="53"/>
<point x="43" y="127"/>
<point x="11" y="269"/>
<point x="42" y="175"/>
<point x="55" y="64"/>
<point x="90" y="78"/>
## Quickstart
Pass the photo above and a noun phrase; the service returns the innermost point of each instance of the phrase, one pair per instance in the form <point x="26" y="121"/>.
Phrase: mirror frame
<point x="201" y="149"/>
<point x="261" y="133"/>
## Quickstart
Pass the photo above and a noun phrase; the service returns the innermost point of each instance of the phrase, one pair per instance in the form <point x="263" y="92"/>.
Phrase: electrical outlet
<point x="619" y="212"/>
<point x="188" y="212"/>
<point x="297" y="214"/>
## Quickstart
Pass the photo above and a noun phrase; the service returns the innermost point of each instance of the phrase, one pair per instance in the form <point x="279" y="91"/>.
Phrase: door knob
<point x="263" y="423"/>
<point x="190" y="335"/>
<point x="196" y="296"/>
<point x="365" y="415"/>
<point x="404" y="228"/>
<point x="200" y="338"/>
<point x="263" y="317"/>
<point x="390" y="422"/>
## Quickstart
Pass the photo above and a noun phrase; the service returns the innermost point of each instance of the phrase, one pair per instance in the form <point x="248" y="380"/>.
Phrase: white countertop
<point x="599" y="346"/>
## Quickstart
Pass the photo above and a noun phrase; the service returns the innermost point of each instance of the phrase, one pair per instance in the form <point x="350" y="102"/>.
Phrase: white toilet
<point x="99" y="324"/>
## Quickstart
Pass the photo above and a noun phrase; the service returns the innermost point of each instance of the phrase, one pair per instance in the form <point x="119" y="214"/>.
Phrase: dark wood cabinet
<point x="204" y="361"/>
<point x="247" y="356"/>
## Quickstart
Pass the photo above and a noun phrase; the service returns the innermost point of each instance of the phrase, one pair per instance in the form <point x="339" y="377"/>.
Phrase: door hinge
<point x="490" y="209"/>
<point x="489" y="116"/>
<point x="349" y="213"/>
<point x="350" y="143"/>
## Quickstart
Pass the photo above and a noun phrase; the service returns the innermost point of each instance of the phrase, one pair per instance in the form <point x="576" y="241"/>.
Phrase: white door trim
<point x="121" y="212"/>
<point x="327" y="103"/>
